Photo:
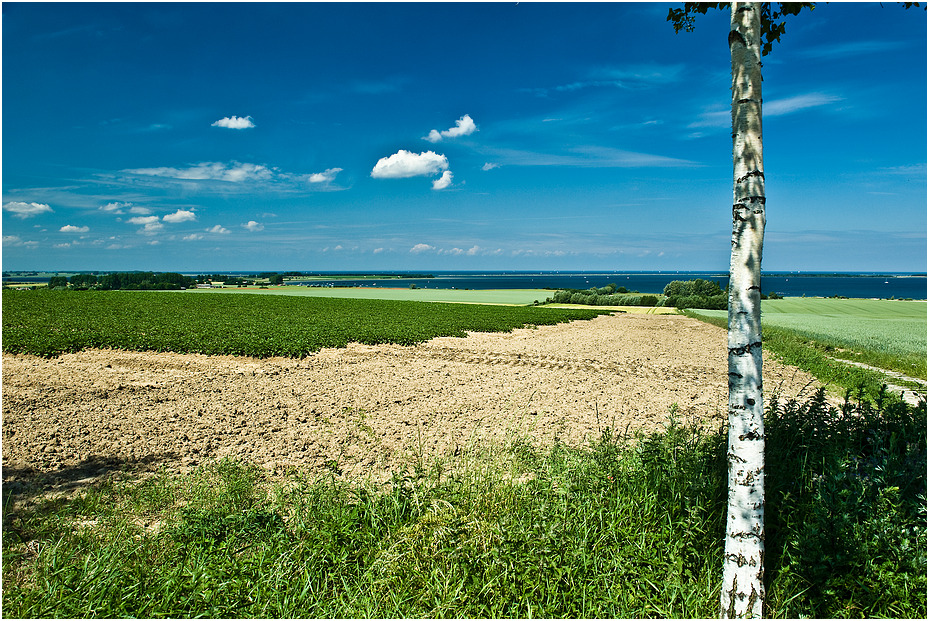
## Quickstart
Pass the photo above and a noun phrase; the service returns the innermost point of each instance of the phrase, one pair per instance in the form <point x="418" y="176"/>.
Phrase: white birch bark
<point x="743" y="566"/>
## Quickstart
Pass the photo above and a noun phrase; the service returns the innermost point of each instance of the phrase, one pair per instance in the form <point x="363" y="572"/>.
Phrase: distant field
<point x="48" y="323"/>
<point x="895" y="325"/>
<point x="883" y="332"/>
<point x="519" y="297"/>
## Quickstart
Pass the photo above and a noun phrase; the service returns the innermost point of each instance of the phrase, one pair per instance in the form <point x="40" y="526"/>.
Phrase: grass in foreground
<point x="48" y="323"/>
<point x="630" y="528"/>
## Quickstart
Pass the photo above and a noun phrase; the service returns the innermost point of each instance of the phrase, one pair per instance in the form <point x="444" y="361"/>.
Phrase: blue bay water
<point x="811" y="284"/>
<point x="792" y="284"/>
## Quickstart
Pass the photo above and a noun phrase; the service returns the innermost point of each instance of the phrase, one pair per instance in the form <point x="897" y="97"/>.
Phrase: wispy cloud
<point x="489" y="166"/>
<point x="789" y="105"/>
<point x="233" y="172"/>
<point x="26" y="210"/>
<point x="719" y="117"/>
<point x="327" y="176"/>
<point x="235" y="122"/>
<point x="227" y="177"/>
<point x="16" y="241"/>
<point x="463" y="127"/>
<point x="590" y="157"/>
<point x="632" y="77"/>
<point x="852" y="48"/>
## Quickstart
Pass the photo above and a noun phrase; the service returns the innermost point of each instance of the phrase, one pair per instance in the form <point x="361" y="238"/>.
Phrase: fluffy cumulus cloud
<point x="443" y="182"/>
<point x="70" y="228"/>
<point x="253" y="226"/>
<point x="234" y="172"/>
<point x="26" y="210"/>
<point x="181" y="215"/>
<point x="407" y="164"/>
<point x="192" y="237"/>
<point x="218" y="229"/>
<point x="420" y="248"/>
<point x="235" y="122"/>
<point x="463" y="127"/>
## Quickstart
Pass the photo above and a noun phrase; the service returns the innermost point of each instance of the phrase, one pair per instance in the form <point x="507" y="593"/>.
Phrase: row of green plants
<point x="632" y="527"/>
<point x="48" y="322"/>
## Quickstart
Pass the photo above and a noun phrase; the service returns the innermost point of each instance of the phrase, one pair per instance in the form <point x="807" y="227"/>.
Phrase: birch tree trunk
<point x="743" y="566"/>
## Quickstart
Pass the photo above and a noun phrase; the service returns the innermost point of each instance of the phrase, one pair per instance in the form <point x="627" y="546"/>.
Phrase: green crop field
<point x="464" y="296"/>
<point x="889" y="334"/>
<point x="48" y="323"/>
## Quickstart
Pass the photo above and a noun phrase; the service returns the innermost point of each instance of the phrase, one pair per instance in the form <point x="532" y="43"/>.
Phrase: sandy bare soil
<point x="363" y="410"/>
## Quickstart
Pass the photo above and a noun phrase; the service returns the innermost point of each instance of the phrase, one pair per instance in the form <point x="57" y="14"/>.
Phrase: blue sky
<point x="435" y="136"/>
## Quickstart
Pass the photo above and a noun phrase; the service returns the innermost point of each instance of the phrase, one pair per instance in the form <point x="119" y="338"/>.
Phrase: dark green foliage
<point x="48" y="323"/>
<point x="135" y="280"/>
<point x="697" y="293"/>
<point x="611" y="295"/>
<point x="846" y="524"/>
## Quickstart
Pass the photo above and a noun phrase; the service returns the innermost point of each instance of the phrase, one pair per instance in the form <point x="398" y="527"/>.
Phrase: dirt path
<point x="363" y="410"/>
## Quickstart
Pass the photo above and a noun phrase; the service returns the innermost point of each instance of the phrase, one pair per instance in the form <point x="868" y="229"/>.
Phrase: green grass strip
<point x="48" y="323"/>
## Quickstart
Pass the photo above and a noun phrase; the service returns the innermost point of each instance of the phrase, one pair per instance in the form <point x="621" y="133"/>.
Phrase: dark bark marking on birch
<point x="753" y="173"/>
<point x="745" y="349"/>
<point x="736" y="36"/>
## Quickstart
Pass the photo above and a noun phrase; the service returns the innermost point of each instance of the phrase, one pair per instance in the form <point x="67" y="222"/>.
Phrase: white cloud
<point x="192" y="237"/>
<point x="27" y="210"/>
<point x="489" y="166"/>
<point x="235" y="122"/>
<point x="142" y="211"/>
<point x="327" y="176"/>
<point x="143" y="220"/>
<point x="463" y="127"/>
<point x="377" y="251"/>
<point x="70" y="228"/>
<point x="418" y="248"/>
<point x="181" y="215"/>
<point x="150" y="224"/>
<point x="253" y="226"/>
<point x="218" y="229"/>
<point x="234" y="172"/>
<point x="443" y="182"/>
<point x="407" y="164"/>
<point x="780" y="107"/>
<point x="15" y="240"/>
<point x="115" y="207"/>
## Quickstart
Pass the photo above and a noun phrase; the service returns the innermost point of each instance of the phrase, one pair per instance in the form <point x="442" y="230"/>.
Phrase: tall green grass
<point x="632" y="527"/>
